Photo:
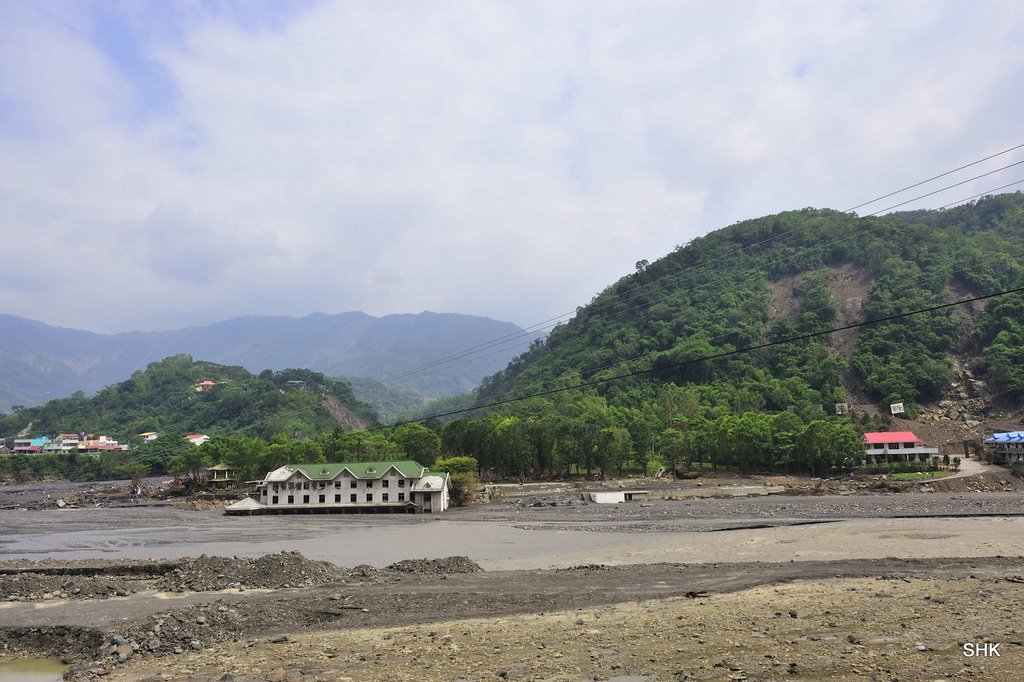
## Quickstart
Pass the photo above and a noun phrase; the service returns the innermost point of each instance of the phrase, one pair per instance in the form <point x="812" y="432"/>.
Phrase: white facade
<point x="387" y="487"/>
<point x="896" y="445"/>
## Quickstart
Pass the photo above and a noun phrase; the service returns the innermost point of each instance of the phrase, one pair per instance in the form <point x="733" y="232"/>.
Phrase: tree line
<point x="681" y="427"/>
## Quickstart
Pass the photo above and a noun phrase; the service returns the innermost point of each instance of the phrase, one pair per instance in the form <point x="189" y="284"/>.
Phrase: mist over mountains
<point x="39" y="362"/>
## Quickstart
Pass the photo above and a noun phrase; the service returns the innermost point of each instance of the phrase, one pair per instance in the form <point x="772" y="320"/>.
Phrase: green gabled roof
<point x="323" y="472"/>
<point x="219" y="467"/>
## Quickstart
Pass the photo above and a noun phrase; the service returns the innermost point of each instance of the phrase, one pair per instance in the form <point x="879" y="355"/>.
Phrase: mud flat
<point x="852" y="587"/>
<point x="899" y="618"/>
<point x="506" y="536"/>
<point x="845" y="629"/>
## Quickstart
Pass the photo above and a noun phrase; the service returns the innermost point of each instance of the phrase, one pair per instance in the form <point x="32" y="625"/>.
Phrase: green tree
<point x="463" y="477"/>
<point x="191" y="465"/>
<point x="135" y="471"/>
<point x="417" y="442"/>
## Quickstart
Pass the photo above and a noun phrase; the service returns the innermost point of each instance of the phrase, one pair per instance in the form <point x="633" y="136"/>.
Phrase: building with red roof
<point x="895" y="445"/>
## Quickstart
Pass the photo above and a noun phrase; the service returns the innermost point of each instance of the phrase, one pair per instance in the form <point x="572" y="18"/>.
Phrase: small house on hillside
<point x="197" y="438"/>
<point x="63" y="443"/>
<point x="1006" y="447"/>
<point x="29" y="445"/>
<point x="354" y="487"/>
<point x="205" y="384"/>
<point x="887" y="446"/>
<point x="94" y="443"/>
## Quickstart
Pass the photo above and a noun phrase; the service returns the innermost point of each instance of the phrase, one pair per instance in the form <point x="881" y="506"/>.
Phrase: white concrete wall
<point x="342" y="485"/>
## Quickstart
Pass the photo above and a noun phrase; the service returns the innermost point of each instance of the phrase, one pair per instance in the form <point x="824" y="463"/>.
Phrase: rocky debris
<point x="547" y="501"/>
<point x="281" y="570"/>
<point x="448" y="565"/>
<point x="583" y="567"/>
<point x="81" y="579"/>
<point x="52" y="580"/>
<point x="63" y="495"/>
<point x="729" y="636"/>
<point x="181" y="632"/>
<point x="41" y="587"/>
<point x="69" y="643"/>
<point x="41" y="581"/>
<point x="998" y="480"/>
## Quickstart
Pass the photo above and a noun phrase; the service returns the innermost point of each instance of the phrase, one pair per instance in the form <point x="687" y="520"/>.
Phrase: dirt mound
<point x="37" y="586"/>
<point x="988" y="482"/>
<point x="547" y="501"/>
<point x="285" y="569"/>
<point x="61" y="642"/>
<point x="583" y="567"/>
<point x="448" y="565"/>
<point x="81" y="579"/>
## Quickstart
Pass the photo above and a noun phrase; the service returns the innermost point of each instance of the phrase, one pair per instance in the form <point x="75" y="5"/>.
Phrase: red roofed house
<point x="197" y="438"/>
<point x="895" y="445"/>
<point x="205" y="384"/>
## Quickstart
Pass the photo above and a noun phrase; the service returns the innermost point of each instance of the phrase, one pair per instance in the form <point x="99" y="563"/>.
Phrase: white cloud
<point x="508" y="159"/>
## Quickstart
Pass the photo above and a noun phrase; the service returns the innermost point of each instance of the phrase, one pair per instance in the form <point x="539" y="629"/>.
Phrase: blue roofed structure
<point x="1005" y="447"/>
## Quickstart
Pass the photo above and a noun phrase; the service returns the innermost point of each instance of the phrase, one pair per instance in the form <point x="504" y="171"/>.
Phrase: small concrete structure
<point x="615" y="497"/>
<point x="605" y="497"/>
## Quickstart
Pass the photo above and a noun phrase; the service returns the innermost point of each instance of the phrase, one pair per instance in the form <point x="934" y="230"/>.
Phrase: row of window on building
<point x="322" y="499"/>
<point x="322" y="485"/>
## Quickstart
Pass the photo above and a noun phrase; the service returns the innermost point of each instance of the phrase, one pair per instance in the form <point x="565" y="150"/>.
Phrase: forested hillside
<point x="716" y="295"/>
<point x="636" y="354"/>
<point x="163" y="398"/>
<point x="39" y="362"/>
<point x="657" y="368"/>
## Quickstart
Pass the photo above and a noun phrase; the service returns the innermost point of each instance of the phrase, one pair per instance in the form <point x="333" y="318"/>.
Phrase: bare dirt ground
<point x="892" y="618"/>
<point x="841" y="629"/>
<point x="859" y="585"/>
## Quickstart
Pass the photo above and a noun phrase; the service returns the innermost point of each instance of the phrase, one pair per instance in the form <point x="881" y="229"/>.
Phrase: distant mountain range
<point x="39" y="362"/>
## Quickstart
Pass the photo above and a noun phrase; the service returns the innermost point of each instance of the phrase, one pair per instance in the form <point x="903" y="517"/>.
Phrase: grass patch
<point x="918" y="475"/>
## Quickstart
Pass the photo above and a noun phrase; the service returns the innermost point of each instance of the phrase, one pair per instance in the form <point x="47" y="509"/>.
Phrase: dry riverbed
<point x="840" y="629"/>
<point x="881" y="586"/>
<point x="444" y="619"/>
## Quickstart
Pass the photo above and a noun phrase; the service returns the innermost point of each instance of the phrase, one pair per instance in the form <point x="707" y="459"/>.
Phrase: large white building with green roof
<point x="402" y="486"/>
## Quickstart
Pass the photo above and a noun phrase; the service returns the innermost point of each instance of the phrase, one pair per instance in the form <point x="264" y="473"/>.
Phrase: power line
<point x="924" y="276"/>
<point x="714" y="356"/>
<point x="593" y="370"/>
<point x="661" y="283"/>
<point x="550" y="322"/>
<point x="910" y="201"/>
<point x="941" y="175"/>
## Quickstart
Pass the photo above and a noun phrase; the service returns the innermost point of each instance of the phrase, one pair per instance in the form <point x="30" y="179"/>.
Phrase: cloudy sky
<point x="165" y="164"/>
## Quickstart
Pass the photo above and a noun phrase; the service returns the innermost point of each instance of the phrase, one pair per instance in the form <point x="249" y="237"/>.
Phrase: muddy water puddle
<point x="31" y="670"/>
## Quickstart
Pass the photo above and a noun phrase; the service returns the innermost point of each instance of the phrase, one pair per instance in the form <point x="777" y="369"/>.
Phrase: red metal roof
<point x="891" y="437"/>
